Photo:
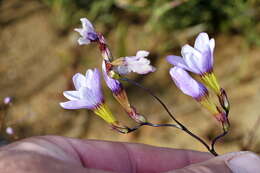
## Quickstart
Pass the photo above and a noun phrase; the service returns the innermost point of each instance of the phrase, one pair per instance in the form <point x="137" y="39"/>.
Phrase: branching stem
<point x="182" y="127"/>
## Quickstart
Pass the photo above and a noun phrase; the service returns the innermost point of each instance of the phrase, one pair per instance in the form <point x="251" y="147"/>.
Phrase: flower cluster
<point x="88" y="92"/>
<point x="199" y="60"/>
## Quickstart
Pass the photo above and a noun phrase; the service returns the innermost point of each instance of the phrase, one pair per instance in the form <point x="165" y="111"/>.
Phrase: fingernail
<point x="244" y="163"/>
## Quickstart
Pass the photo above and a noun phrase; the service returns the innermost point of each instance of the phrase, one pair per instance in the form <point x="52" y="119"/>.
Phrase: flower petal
<point x="192" y="58"/>
<point x="212" y="47"/>
<point x="139" y="65"/>
<point x="207" y="61"/>
<point x="75" y="104"/>
<point x="87" y="32"/>
<point x="82" y="41"/>
<point x="86" y="24"/>
<point x="114" y="85"/>
<point x="206" y="48"/>
<point x="122" y="69"/>
<point x="187" y="84"/>
<point x="199" y="59"/>
<point x="93" y="79"/>
<point x="142" y="53"/>
<point x="92" y="97"/>
<point x="79" y="30"/>
<point x="71" y="95"/>
<point x="177" y="61"/>
<point x="79" y="80"/>
<point x="202" y="42"/>
<point x="212" y="44"/>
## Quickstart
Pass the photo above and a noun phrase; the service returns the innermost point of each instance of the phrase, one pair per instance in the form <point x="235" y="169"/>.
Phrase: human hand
<point x="59" y="154"/>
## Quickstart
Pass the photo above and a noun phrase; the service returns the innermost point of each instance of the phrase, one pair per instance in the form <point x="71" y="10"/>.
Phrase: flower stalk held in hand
<point x="198" y="60"/>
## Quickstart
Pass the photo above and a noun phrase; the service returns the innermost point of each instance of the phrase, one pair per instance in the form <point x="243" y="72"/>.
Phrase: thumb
<point x="238" y="162"/>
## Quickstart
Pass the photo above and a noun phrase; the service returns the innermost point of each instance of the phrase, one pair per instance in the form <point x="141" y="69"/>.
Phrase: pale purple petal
<point x="9" y="130"/>
<point x="199" y="59"/>
<point x="212" y="44"/>
<point x="86" y="24"/>
<point x="192" y="58"/>
<point x="7" y="100"/>
<point x="187" y="84"/>
<point x="138" y="65"/>
<point x="198" y="62"/>
<point x="93" y="79"/>
<point x="202" y="42"/>
<point x="177" y="61"/>
<point x="88" y="92"/>
<point x="79" y="80"/>
<point x="207" y="60"/>
<point x="92" y="97"/>
<point x="82" y="41"/>
<point x="76" y="104"/>
<point x="142" y="53"/>
<point x="212" y="47"/>
<point x="206" y="48"/>
<point x="114" y="85"/>
<point x="72" y="95"/>
<point x="87" y="32"/>
<point x="122" y="69"/>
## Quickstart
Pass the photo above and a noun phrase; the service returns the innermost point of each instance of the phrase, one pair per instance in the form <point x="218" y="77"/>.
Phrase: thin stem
<point x="154" y="96"/>
<point x="161" y="125"/>
<point x="152" y="125"/>
<point x="216" y="139"/>
<point x="225" y="132"/>
<point x="182" y="127"/>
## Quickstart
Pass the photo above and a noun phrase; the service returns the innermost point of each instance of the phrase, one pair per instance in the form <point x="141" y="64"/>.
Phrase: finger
<point x="112" y="156"/>
<point x="239" y="162"/>
<point x="31" y="162"/>
<point x="127" y="157"/>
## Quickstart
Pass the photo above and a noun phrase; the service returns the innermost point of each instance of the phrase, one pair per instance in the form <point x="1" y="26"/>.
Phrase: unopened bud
<point x="121" y="129"/>
<point x="226" y="126"/>
<point x="223" y="99"/>
<point x="222" y="117"/>
<point x="136" y="116"/>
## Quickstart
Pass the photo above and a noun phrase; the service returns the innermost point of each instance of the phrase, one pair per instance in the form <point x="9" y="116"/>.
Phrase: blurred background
<point x="39" y="54"/>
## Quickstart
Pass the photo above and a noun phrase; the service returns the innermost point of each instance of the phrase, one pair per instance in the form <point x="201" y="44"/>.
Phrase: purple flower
<point x="87" y="32"/>
<point x="138" y="64"/>
<point x="8" y="100"/>
<point x="114" y="85"/>
<point x="9" y="130"/>
<point x="187" y="84"/>
<point x="199" y="59"/>
<point x="88" y="93"/>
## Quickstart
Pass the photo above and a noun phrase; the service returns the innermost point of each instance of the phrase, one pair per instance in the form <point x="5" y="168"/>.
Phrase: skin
<point x="66" y="155"/>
